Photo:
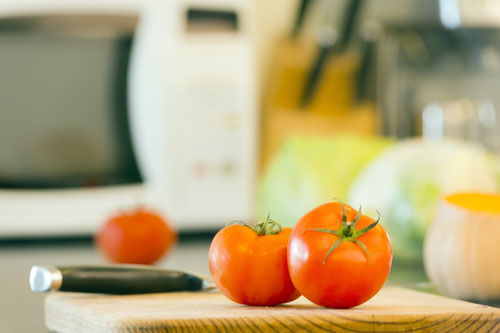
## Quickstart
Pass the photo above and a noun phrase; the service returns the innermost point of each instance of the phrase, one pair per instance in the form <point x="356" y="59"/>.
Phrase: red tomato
<point x="140" y="237"/>
<point x="338" y="259"/>
<point x="249" y="266"/>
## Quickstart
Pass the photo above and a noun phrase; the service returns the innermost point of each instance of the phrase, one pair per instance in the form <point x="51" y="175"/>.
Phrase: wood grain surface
<point x="393" y="309"/>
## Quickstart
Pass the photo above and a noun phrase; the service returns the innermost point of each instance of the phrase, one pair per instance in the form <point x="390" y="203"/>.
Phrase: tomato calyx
<point x="262" y="228"/>
<point x="347" y="232"/>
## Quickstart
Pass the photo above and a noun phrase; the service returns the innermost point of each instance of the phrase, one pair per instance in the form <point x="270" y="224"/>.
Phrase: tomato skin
<point x="139" y="237"/>
<point x="251" y="269"/>
<point x="347" y="278"/>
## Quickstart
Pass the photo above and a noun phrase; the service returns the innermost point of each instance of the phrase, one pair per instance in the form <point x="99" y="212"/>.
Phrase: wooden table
<point x="392" y="309"/>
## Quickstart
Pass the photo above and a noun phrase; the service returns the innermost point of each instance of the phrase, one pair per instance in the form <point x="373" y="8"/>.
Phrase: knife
<point x="331" y="46"/>
<point x="115" y="279"/>
<point x="304" y="6"/>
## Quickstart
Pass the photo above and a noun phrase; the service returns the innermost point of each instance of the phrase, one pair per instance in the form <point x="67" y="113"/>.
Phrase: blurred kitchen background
<point x="207" y="111"/>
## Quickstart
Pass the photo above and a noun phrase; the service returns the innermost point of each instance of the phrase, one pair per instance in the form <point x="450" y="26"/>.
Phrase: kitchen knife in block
<point x="115" y="279"/>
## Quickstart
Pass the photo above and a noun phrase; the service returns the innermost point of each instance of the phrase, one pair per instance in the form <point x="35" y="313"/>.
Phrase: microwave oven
<point x="107" y="106"/>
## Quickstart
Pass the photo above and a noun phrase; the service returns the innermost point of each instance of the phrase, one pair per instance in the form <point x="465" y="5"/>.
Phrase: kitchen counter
<point x="21" y="310"/>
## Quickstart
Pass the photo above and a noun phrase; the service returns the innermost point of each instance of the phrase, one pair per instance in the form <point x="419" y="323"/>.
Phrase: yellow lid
<point x="482" y="202"/>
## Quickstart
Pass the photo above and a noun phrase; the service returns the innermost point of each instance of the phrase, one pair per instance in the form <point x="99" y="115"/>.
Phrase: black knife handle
<point x="126" y="280"/>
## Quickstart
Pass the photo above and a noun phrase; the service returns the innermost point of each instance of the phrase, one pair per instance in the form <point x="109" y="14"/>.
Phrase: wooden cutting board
<point x="392" y="309"/>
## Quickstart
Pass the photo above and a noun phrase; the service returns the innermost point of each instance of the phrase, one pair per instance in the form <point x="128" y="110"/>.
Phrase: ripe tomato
<point x="139" y="237"/>
<point x="249" y="266"/>
<point x="338" y="257"/>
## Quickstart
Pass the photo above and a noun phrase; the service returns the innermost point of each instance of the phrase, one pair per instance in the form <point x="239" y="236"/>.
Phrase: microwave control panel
<point x="213" y="152"/>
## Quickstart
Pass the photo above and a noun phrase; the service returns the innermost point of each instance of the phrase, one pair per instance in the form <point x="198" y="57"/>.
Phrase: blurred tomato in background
<point x="137" y="237"/>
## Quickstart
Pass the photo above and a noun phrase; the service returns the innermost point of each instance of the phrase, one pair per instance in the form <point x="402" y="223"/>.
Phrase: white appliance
<point x="192" y="115"/>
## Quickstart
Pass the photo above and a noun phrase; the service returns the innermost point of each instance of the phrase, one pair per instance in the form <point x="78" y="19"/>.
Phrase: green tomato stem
<point x="262" y="228"/>
<point x="347" y="232"/>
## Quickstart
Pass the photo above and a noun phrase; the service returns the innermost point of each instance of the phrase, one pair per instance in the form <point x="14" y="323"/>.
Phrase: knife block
<point x="279" y="124"/>
<point x="291" y="66"/>
<point x="331" y="110"/>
